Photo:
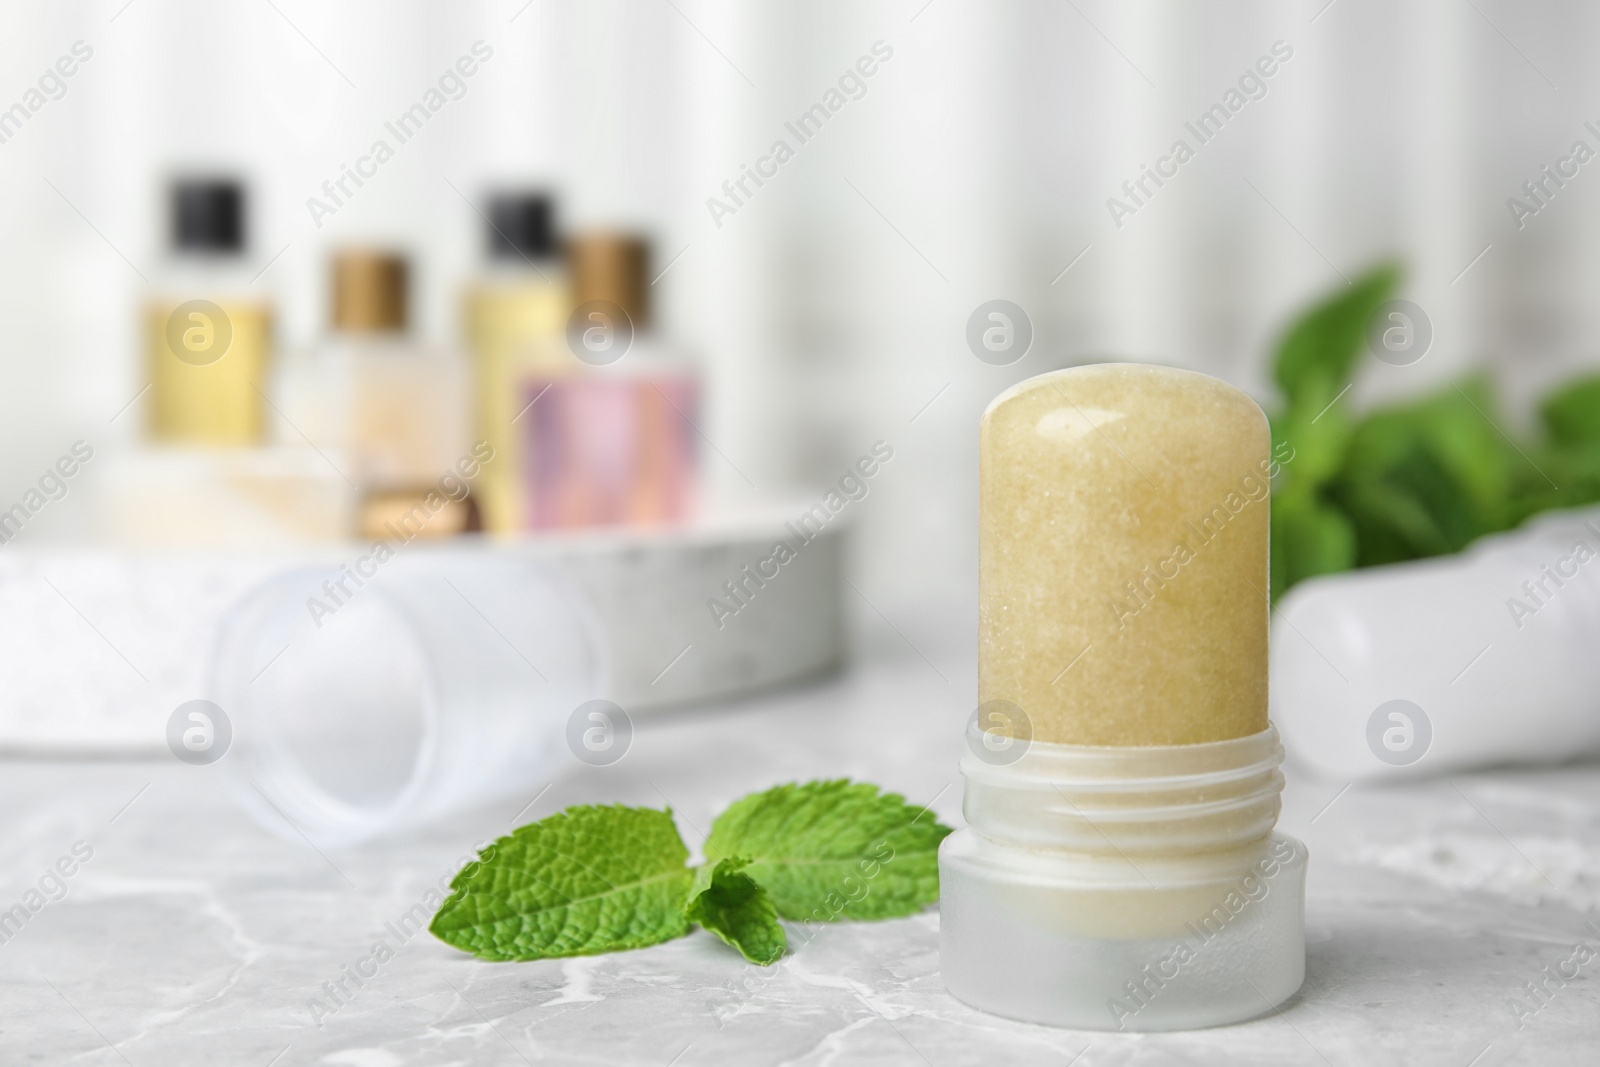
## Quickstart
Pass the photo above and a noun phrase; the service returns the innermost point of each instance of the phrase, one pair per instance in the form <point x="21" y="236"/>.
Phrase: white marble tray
<point x="98" y="646"/>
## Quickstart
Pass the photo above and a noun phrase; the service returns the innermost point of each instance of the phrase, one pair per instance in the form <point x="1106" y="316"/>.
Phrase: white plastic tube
<point x="1487" y="657"/>
<point x="444" y="680"/>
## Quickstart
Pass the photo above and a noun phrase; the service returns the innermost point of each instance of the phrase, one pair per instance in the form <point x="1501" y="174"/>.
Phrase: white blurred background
<point x="830" y="309"/>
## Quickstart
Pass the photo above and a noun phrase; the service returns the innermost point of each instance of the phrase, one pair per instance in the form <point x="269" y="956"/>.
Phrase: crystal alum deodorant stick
<point x="1122" y="782"/>
<point x="1123" y="556"/>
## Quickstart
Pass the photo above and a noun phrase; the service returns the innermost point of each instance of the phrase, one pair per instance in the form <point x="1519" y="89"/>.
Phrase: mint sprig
<point x="827" y="850"/>
<point x="588" y="880"/>
<point x="603" y="879"/>
<point x="730" y="904"/>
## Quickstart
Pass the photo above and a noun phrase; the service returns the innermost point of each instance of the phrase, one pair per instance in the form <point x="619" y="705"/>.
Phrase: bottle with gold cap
<point x="392" y="413"/>
<point x="612" y="440"/>
<point x="209" y="336"/>
<point x="513" y="316"/>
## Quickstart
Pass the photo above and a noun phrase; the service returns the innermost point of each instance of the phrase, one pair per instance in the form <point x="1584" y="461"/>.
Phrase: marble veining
<point x="193" y="936"/>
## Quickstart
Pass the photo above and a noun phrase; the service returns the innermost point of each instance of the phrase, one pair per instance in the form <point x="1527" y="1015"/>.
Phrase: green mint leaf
<point x="1308" y="538"/>
<point x="730" y="904"/>
<point x="1313" y="445"/>
<point x="1315" y="358"/>
<point x="1574" y="469"/>
<point x="1571" y="414"/>
<point x="588" y="880"/>
<point x="1429" y="476"/>
<point x="829" y="850"/>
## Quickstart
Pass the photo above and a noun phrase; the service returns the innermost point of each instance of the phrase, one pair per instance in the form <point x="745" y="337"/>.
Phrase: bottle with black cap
<point x="513" y="319"/>
<point x="205" y="476"/>
<point x="209" y="334"/>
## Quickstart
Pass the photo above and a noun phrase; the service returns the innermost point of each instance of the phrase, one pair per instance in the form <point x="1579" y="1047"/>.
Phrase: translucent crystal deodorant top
<point x="1123" y="556"/>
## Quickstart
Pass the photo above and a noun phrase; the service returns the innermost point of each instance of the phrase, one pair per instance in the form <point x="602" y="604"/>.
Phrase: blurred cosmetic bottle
<point x="392" y="413"/>
<point x="612" y="441"/>
<point x="513" y="316"/>
<point x="204" y="478"/>
<point x="208" y="335"/>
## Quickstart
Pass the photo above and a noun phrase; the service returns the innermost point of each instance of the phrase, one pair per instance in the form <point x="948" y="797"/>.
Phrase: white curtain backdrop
<point x="830" y="308"/>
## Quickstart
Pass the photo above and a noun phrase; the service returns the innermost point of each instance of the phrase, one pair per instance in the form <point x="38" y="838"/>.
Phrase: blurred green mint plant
<point x="1405" y="481"/>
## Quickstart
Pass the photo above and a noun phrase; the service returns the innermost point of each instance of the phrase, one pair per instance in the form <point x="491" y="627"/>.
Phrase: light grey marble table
<point x="192" y="936"/>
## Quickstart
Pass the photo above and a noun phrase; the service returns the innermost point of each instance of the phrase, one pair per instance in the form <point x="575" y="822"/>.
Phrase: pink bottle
<point x="611" y="439"/>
